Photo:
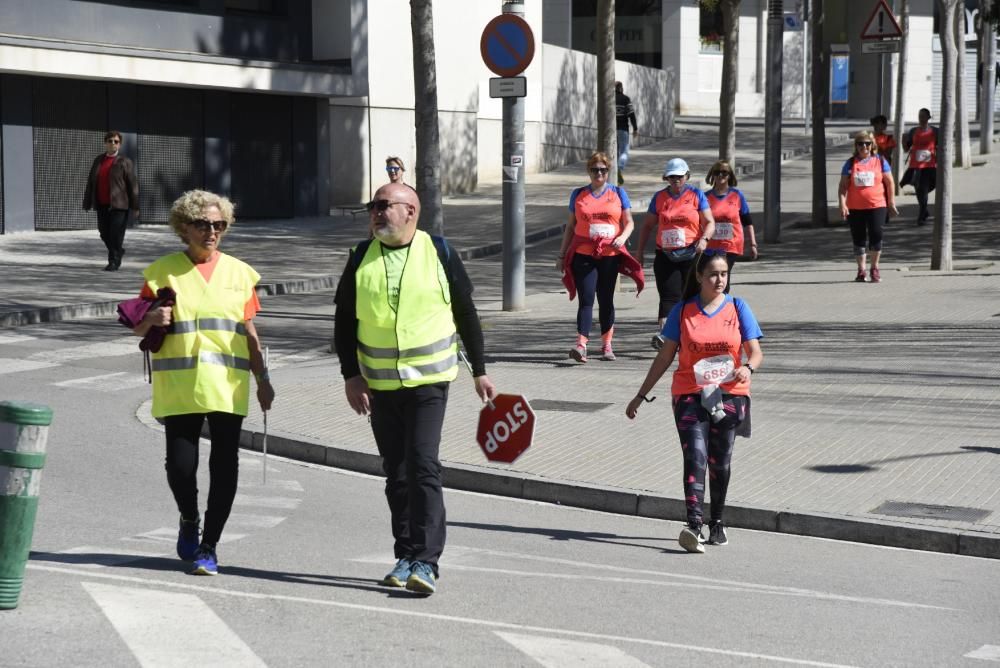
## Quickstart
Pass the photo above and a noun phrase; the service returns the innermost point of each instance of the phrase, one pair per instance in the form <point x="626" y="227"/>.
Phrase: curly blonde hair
<point x="192" y="206"/>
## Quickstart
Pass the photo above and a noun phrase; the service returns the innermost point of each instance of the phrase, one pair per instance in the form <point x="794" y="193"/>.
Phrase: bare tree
<point x="727" y="91"/>
<point x="941" y="249"/>
<point x="607" y="137"/>
<point x="820" y="99"/>
<point x="986" y="27"/>
<point x="425" y="109"/>
<point x="897" y="152"/>
<point x="963" y="156"/>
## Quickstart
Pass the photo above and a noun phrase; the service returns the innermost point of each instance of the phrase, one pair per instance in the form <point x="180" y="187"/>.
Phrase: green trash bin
<point x="24" y="429"/>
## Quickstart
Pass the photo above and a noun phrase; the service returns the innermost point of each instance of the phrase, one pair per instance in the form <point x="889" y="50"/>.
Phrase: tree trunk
<point x="727" y="91"/>
<point x="425" y="109"/>
<point x="988" y="43"/>
<point x="941" y="249"/>
<point x="607" y="137"/>
<point x="963" y="157"/>
<point x="897" y="153"/>
<point x="820" y="89"/>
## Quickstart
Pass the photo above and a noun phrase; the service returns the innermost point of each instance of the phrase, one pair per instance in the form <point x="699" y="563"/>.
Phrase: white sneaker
<point x="691" y="540"/>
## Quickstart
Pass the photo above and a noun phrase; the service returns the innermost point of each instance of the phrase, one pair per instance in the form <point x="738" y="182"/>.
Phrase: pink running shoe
<point x="876" y="276"/>
<point x="578" y="353"/>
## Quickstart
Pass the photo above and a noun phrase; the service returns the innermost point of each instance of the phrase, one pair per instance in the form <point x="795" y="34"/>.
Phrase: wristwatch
<point x="749" y="368"/>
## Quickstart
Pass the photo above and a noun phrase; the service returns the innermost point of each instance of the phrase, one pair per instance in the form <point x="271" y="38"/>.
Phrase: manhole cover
<point x="568" y="406"/>
<point x="929" y="511"/>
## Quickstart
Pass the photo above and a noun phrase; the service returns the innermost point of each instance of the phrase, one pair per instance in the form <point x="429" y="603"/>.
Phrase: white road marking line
<point x="986" y="652"/>
<point x="165" y="629"/>
<point x="108" y="382"/>
<point x="89" y="556"/>
<point x="9" y="365"/>
<point x="560" y="653"/>
<point x="283" y="485"/>
<point x="169" y="535"/>
<point x="279" y="360"/>
<point x="282" y="502"/>
<point x="15" y="338"/>
<point x="255" y="521"/>
<point x="455" y="553"/>
<point x="113" y="348"/>
<point x="471" y="621"/>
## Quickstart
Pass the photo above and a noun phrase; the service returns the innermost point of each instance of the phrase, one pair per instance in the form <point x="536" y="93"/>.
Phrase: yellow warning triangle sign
<point x="882" y="24"/>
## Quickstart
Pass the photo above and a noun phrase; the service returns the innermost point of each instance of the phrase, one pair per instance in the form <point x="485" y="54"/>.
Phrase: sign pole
<point x="513" y="193"/>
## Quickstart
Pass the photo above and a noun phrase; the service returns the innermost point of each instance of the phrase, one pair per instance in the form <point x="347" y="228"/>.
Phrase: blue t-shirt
<point x="622" y="196"/>
<point x="846" y="170"/>
<point x="654" y="202"/>
<point x="749" y="329"/>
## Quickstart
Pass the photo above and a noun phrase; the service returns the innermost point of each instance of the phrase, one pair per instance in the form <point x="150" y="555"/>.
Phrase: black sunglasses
<point x="203" y="225"/>
<point x="862" y="143"/>
<point x="392" y="169"/>
<point x="380" y="205"/>
<point x="722" y="172"/>
<point x="598" y="170"/>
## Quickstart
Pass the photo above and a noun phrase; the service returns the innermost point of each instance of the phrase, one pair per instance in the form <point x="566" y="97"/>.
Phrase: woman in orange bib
<point x="733" y="226"/>
<point x="716" y="338"/>
<point x="867" y="196"/>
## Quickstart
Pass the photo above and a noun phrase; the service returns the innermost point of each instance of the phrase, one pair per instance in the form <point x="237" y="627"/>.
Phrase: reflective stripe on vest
<point x="415" y="343"/>
<point x="204" y="363"/>
<point x="204" y="357"/>
<point x="205" y="324"/>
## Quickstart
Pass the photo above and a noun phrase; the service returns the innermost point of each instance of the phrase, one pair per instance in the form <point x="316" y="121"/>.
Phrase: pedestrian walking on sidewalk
<point x="591" y="254"/>
<point x="734" y="234"/>
<point x="202" y="371"/>
<point x="885" y="142"/>
<point x="867" y="197"/>
<point x="400" y="302"/>
<point x="710" y="332"/>
<point x="113" y="189"/>
<point x="394" y="169"/>
<point x="921" y="143"/>
<point x="683" y="221"/>
<point x="624" y="114"/>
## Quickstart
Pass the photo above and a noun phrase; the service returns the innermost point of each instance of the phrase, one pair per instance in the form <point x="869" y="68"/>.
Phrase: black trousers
<point x="925" y="180"/>
<point x="183" y="433"/>
<point x="111" y="223"/>
<point x="670" y="277"/>
<point x="407" y="426"/>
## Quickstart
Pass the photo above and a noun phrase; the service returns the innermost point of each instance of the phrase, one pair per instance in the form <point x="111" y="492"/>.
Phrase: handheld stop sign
<point x="506" y="428"/>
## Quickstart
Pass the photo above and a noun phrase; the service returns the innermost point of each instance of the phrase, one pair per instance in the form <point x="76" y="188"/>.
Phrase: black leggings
<point x="670" y="277"/>
<point x="706" y="445"/>
<point x="866" y="228"/>
<point x="595" y="276"/>
<point x="183" y="433"/>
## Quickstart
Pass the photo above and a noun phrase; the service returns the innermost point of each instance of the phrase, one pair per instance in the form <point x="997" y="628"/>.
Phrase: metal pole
<point x="805" y="67"/>
<point x="513" y="193"/>
<point x="772" y="123"/>
<point x="881" y="82"/>
<point x="988" y="90"/>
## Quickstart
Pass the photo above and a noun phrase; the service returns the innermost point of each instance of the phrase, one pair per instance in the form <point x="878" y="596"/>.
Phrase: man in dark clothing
<point x="395" y="334"/>
<point x="113" y="190"/>
<point x="624" y="113"/>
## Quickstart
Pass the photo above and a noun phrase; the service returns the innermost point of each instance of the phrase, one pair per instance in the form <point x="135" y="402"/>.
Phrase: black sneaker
<point x="717" y="533"/>
<point x="691" y="539"/>
<point x="188" y="539"/>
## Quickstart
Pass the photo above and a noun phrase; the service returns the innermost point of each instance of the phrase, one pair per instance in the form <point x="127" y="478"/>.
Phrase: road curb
<point x="486" y="480"/>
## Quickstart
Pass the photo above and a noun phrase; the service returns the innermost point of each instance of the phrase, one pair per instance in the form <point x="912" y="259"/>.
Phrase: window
<point x="710" y="30"/>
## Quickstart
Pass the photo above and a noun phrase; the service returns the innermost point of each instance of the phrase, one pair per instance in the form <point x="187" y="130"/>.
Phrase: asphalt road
<point x="522" y="583"/>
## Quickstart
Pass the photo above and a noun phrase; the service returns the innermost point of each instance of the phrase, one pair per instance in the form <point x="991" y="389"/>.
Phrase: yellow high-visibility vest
<point x="204" y="364"/>
<point x="416" y="344"/>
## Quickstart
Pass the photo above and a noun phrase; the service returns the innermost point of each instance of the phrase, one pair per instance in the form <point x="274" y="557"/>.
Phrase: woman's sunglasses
<point x="203" y="225"/>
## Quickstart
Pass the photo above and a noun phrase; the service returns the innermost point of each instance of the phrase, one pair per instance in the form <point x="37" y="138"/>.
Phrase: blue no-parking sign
<point x="507" y="45"/>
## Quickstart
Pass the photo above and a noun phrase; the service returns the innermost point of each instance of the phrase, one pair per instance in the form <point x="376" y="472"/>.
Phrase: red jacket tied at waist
<point x="629" y="266"/>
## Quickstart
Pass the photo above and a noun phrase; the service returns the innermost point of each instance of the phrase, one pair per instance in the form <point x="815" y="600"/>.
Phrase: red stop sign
<point x="506" y="429"/>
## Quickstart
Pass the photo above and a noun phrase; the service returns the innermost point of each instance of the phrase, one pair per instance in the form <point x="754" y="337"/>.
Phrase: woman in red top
<point x="921" y="142"/>
<point x="886" y="142"/>
<point x="867" y="196"/>
<point x="600" y="222"/>
<point x="711" y="332"/>
<point x="734" y="233"/>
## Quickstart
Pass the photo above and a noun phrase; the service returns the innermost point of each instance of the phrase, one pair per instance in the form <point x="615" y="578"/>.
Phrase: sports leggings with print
<point x="706" y="445"/>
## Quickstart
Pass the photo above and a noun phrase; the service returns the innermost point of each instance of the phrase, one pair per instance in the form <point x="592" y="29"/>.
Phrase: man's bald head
<point x="396" y="224"/>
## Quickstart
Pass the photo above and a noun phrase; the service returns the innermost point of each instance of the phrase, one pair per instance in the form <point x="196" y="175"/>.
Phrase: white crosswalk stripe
<point x="8" y="365"/>
<point x="108" y="382"/>
<point x="254" y="521"/>
<point x="282" y="502"/>
<point x="562" y="653"/>
<point x="986" y="653"/>
<point x="15" y="338"/>
<point x="112" y="348"/>
<point x="152" y="622"/>
<point x="169" y="535"/>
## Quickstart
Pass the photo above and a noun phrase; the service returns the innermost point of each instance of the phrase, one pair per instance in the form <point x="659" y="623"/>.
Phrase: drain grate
<point x="568" y="406"/>
<point x="929" y="511"/>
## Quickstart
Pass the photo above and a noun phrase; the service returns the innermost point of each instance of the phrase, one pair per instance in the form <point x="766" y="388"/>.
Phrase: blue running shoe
<point x="422" y="580"/>
<point x="399" y="575"/>
<point x="205" y="561"/>
<point x="188" y="539"/>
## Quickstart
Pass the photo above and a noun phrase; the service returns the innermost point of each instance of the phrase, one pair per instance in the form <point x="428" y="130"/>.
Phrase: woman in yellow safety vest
<point x="203" y="367"/>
